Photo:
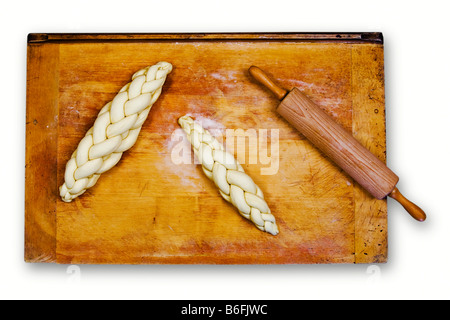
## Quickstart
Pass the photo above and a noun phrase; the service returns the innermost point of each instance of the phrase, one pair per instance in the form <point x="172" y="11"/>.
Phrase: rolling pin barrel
<point x="337" y="144"/>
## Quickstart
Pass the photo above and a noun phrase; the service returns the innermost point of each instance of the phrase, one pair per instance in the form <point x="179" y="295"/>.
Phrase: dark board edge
<point x="355" y="37"/>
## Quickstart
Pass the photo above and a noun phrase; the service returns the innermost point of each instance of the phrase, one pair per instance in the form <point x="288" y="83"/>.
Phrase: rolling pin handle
<point x="266" y="81"/>
<point x="412" y="209"/>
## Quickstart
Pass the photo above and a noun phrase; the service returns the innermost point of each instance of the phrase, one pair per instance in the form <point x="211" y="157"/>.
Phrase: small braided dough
<point x="234" y="184"/>
<point x="115" y="130"/>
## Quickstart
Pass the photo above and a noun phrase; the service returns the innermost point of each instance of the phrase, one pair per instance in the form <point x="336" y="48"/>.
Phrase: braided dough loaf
<point x="234" y="184"/>
<point x="115" y="130"/>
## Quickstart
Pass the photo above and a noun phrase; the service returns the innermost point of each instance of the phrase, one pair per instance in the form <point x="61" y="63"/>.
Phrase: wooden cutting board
<point x="150" y="209"/>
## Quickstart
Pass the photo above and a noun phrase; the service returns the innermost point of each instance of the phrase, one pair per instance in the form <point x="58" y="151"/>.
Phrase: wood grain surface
<point x="150" y="210"/>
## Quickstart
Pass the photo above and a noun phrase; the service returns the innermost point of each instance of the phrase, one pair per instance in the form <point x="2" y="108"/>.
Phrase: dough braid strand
<point x="115" y="130"/>
<point x="234" y="184"/>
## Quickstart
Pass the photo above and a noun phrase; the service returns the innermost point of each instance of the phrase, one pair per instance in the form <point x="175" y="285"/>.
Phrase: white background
<point x="417" y="88"/>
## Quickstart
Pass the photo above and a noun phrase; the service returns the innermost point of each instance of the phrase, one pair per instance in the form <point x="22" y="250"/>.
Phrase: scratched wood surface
<point x="152" y="209"/>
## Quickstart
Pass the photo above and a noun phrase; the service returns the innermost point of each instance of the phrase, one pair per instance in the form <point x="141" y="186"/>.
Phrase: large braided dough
<point x="234" y="184"/>
<point x="115" y="130"/>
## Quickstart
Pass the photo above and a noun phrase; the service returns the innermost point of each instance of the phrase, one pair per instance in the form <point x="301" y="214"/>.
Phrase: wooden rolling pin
<point x="338" y="144"/>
